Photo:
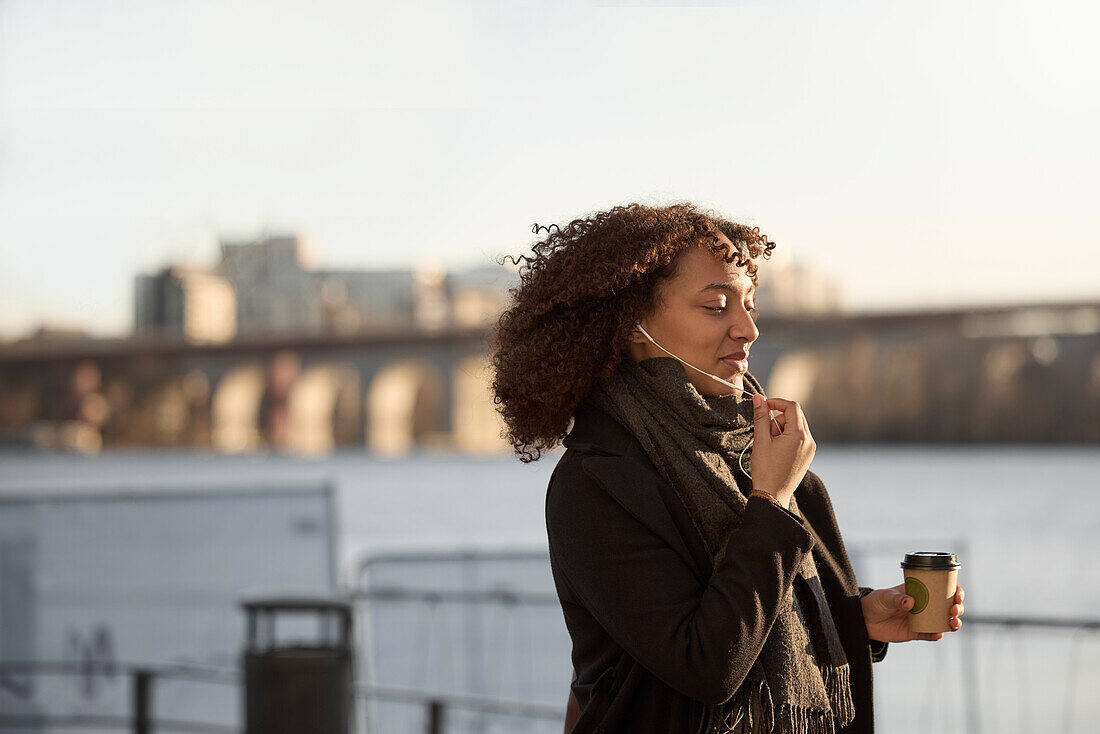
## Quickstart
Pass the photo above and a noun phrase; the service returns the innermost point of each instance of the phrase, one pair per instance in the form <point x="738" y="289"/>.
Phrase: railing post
<point x="142" y="702"/>
<point x="971" y="684"/>
<point x="969" y="667"/>
<point x="435" y="716"/>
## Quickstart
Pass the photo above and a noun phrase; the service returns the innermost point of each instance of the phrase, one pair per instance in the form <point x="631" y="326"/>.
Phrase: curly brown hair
<point x="578" y="299"/>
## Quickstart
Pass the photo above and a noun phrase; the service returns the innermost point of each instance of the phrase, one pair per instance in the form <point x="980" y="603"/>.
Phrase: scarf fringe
<point x="757" y="707"/>
<point x="838" y="686"/>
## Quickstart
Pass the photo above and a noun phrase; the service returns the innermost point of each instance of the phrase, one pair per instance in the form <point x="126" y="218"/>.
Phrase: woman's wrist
<point x="764" y="495"/>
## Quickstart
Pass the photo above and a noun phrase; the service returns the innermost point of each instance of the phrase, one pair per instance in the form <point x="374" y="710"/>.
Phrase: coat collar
<point x="617" y="461"/>
<point x="595" y="432"/>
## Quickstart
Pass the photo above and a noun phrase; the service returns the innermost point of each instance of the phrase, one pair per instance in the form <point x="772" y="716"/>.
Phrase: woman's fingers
<point x="792" y="412"/>
<point x="957" y="610"/>
<point x="956" y="625"/>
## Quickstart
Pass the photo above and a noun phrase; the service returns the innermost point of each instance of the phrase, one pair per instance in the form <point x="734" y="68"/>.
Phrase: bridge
<point x="1028" y="373"/>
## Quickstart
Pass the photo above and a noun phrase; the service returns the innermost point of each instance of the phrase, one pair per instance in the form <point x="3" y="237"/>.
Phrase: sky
<point x="922" y="154"/>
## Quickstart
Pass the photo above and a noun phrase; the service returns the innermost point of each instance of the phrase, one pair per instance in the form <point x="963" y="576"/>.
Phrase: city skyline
<point x="920" y="155"/>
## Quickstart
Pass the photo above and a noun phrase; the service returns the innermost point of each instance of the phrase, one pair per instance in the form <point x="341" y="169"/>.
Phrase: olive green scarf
<point x="799" y="683"/>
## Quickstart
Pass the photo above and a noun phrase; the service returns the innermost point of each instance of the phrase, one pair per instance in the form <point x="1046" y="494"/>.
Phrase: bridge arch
<point x="324" y="408"/>
<point x="235" y="410"/>
<point x="405" y="408"/>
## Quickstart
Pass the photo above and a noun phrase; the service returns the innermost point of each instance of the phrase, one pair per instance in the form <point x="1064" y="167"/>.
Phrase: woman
<point x="700" y="570"/>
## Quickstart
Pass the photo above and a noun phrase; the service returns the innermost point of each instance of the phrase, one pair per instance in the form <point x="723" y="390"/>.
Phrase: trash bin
<point x="298" y="686"/>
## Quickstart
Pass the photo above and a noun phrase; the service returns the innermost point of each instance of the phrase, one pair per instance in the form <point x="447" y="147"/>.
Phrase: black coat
<point x="656" y="634"/>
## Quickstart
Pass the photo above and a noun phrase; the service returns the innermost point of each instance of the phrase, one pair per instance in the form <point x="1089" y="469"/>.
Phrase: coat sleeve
<point x="699" y="638"/>
<point x="878" y="649"/>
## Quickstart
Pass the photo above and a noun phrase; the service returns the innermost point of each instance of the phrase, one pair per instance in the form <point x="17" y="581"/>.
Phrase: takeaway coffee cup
<point x="930" y="578"/>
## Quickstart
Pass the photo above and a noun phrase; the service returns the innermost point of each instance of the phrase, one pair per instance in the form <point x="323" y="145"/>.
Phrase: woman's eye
<point x="753" y="311"/>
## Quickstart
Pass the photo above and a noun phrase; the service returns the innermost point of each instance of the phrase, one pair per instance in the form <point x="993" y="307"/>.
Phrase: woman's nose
<point x="743" y="327"/>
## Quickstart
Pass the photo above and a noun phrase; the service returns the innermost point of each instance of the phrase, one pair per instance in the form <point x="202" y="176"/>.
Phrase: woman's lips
<point x="741" y="365"/>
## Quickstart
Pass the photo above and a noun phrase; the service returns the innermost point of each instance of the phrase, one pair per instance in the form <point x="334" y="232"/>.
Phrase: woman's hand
<point x="780" y="455"/>
<point x="886" y="612"/>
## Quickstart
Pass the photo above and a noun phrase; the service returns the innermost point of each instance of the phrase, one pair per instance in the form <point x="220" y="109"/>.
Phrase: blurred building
<point x="276" y="292"/>
<point x="268" y="286"/>
<point x="354" y="300"/>
<point x="187" y="301"/>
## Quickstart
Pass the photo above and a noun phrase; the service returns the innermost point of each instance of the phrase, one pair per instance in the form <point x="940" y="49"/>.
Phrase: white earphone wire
<point x="724" y="382"/>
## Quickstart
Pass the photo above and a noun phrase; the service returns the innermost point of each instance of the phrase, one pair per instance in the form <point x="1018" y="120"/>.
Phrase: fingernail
<point x="756" y="400"/>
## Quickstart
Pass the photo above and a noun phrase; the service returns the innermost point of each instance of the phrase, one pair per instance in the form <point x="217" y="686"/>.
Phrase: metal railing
<point x="142" y="689"/>
<point x="143" y="679"/>
<point x="438" y="707"/>
<point x="440" y="710"/>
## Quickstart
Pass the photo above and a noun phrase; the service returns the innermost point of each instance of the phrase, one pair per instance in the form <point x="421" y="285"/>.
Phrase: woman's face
<point x="705" y="317"/>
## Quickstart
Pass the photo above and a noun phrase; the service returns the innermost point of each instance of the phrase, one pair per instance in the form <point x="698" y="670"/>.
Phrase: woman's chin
<point x="717" y="390"/>
<point x="736" y="375"/>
